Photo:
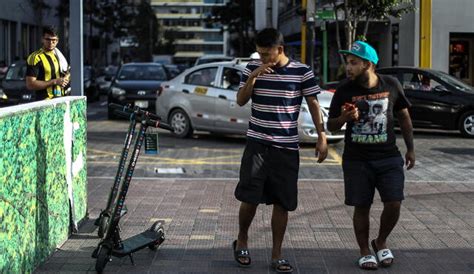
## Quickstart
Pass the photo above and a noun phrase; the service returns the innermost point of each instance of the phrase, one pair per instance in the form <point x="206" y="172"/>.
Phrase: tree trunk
<point x="338" y="35"/>
<point x="366" y="26"/>
<point x="354" y="31"/>
<point x="347" y="25"/>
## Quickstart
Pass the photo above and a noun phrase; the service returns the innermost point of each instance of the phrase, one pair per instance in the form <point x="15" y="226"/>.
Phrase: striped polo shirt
<point x="276" y="102"/>
<point x="44" y="65"/>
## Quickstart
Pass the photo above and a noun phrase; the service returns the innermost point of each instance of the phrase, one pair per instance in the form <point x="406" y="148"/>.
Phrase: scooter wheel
<point x="102" y="258"/>
<point x="154" y="246"/>
<point x="158" y="228"/>
<point x="104" y="223"/>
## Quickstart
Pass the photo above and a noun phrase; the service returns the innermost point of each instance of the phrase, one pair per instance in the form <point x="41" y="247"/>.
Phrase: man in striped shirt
<point x="43" y="71"/>
<point x="270" y="164"/>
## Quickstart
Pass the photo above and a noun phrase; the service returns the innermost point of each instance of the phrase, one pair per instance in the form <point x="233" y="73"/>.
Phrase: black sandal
<point x="241" y="254"/>
<point x="282" y="266"/>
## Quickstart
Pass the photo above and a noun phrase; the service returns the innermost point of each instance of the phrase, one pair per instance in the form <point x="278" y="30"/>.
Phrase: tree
<point x="39" y="7"/>
<point x="356" y="11"/>
<point x="145" y="27"/>
<point x="237" y="17"/>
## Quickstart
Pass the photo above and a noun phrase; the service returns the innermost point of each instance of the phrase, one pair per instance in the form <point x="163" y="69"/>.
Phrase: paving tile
<point x="434" y="235"/>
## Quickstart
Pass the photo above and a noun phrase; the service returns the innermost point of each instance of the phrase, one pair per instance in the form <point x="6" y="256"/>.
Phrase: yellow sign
<point x="200" y="90"/>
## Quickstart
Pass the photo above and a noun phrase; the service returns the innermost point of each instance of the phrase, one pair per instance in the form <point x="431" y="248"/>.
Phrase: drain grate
<point x="176" y="170"/>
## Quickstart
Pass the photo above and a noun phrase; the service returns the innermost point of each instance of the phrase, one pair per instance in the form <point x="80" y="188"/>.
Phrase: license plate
<point x="141" y="104"/>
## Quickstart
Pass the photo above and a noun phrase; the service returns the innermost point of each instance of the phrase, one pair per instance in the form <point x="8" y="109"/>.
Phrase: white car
<point x="204" y="98"/>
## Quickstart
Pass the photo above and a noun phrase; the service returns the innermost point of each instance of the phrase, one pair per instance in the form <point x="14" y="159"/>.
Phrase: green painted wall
<point x="34" y="201"/>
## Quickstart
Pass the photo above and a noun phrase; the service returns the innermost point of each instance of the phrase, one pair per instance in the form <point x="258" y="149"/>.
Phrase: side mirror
<point x="440" y="88"/>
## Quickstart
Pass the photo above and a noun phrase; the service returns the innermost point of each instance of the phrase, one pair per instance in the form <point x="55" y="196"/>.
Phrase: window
<point x="231" y="78"/>
<point x="150" y="73"/>
<point x="202" y="77"/>
<point x="417" y="81"/>
<point x="16" y="72"/>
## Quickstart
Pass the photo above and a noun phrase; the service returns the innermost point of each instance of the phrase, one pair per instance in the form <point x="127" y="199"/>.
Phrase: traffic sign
<point x="325" y="15"/>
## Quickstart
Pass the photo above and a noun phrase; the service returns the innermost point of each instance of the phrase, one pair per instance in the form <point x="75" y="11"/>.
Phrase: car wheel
<point x="110" y="114"/>
<point x="181" y="124"/>
<point x="466" y="124"/>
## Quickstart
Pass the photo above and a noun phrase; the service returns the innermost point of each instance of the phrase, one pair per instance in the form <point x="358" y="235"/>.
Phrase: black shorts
<point x="361" y="178"/>
<point x="268" y="175"/>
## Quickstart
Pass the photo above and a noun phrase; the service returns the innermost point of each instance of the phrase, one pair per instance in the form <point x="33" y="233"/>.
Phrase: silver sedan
<point x="204" y="98"/>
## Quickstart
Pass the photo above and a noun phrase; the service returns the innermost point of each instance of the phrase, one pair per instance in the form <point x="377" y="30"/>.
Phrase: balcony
<point x="190" y="29"/>
<point x="198" y="42"/>
<point x="187" y="3"/>
<point x="188" y="54"/>
<point x="192" y="16"/>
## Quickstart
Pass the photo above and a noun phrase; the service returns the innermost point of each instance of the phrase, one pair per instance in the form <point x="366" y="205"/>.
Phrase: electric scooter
<point x="103" y="221"/>
<point x="112" y="244"/>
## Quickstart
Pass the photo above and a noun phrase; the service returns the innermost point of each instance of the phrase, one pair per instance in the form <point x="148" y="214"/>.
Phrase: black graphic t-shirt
<point x="372" y="136"/>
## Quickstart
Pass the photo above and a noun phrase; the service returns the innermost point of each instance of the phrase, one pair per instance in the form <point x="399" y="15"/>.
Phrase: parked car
<point x="330" y="86"/>
<point x="438" y="99"/>
<point x="204" y="98"/>
<point x="212" y="59"/>
<point x="104" y="80"/>
<point x="14" y="85"/>
<point x="3" y="98"/>
<point x="136" y="84"/>
<point x="15" y="91"/>
<point x="91" y="88"/>
<point x="173" y="70"/>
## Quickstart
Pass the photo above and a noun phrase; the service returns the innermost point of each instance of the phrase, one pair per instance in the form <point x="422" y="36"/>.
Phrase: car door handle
<point x="222" y="97"/>
<point x="185" y="91"/>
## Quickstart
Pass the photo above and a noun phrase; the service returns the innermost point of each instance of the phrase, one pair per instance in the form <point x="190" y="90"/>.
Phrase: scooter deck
<point x="137" y="242"/>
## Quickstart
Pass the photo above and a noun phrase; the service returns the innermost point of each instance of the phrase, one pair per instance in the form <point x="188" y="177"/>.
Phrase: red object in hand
<point x="349" y="106"/>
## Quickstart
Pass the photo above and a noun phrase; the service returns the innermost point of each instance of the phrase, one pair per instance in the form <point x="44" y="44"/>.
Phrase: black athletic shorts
<point x="361" y="178"/>
<point x="268" y="175"/>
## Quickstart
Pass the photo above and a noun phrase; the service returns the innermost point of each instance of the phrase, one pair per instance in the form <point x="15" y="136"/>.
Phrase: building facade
<point x="21" y="24"/>
<point x="450" y="43"/>
<point x="185" y="22"/>
<point x="452" y="37"/>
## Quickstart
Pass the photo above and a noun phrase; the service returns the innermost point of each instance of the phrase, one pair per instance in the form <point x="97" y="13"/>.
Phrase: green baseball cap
<point x="364" y="51"/>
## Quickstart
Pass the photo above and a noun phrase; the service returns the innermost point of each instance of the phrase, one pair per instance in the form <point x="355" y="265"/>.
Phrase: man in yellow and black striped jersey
<point x="44" y="68"/>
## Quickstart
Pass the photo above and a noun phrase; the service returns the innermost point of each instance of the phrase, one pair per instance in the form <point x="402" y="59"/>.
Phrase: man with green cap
<point x="371" y="159"/>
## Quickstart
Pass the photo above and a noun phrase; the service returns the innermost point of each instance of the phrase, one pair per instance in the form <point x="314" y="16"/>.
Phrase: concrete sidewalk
<point x="435" y="233"/>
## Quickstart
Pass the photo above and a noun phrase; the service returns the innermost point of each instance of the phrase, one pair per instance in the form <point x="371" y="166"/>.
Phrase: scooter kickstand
<point x="131" y="259"/>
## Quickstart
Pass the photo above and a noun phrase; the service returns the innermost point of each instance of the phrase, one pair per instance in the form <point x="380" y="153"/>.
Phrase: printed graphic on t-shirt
<point x="371" y="128"/>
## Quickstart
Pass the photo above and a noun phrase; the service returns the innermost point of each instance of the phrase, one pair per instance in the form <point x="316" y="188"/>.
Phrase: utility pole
<point x="310" y="9"/>
<point x="76" y="50"/>
<point x="303" y="32"/>
<point x="425" y="33"/>
<point x="323" y="15"/>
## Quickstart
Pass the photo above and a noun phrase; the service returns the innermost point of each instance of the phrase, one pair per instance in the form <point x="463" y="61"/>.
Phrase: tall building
<point x="184" y="22"/>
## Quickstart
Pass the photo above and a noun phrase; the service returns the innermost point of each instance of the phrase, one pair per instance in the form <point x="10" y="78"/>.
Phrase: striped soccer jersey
<point x="276" y="102"/>
<point x="44" y="65"/>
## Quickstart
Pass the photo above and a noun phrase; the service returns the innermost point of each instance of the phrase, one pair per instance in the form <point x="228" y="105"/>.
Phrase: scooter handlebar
<point x="158" y="123"/>
<point x="136" y="110"/>
<point x="153" y="121"/>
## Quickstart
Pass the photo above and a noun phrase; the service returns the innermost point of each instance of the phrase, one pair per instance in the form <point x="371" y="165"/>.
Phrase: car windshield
<point x="16" y="72"/>
<point x="150" y="73"/>
<point x="110" y="71"/>
<point x="453" y="81"/>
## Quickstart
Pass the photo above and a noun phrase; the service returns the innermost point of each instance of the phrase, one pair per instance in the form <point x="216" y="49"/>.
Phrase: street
<point x="442" y="156"/>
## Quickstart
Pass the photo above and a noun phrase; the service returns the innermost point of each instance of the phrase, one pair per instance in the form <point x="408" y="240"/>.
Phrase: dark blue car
<point x="136" y="84"/>
<point x="438" y="99"/>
